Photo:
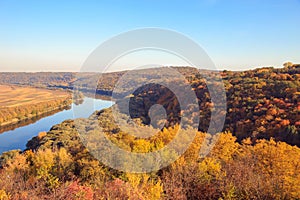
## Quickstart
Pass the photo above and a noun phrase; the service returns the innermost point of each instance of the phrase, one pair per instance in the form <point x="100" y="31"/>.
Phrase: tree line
<point x="15" y="114"/>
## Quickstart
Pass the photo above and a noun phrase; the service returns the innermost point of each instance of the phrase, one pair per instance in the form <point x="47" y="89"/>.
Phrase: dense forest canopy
<point x="261" y="103"/>
<point x="57" y="165"/>
<point x="256" y="156"/>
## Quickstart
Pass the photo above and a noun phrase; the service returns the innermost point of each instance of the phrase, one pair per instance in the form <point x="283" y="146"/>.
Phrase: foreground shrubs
<point x="265" y="170"/>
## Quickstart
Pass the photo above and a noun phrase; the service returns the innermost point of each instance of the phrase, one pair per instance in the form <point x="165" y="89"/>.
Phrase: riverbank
<point x="19" y="104"/>
<point x="15" y="123"/>
<point x="16" y="136"/>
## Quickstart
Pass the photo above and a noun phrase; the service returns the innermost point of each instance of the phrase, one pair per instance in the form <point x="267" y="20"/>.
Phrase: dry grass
<point x="11" y="96"/>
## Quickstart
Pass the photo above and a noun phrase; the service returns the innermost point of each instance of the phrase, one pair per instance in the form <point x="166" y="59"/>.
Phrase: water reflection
<point x="30" y="120"/>
<point x="16" y="136"/>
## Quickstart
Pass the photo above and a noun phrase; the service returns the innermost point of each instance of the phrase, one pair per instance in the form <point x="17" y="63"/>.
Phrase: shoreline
<point x="16" y="121"/>
<point x="53" y="101"/>
<point x="31" y="118"/>
<point x="42" y="123"/>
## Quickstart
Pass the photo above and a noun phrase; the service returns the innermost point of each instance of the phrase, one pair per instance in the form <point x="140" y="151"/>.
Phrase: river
<point x="18" y="137"/>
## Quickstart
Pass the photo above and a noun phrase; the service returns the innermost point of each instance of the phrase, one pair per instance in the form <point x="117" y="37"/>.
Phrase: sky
<point x="59" y="35"/>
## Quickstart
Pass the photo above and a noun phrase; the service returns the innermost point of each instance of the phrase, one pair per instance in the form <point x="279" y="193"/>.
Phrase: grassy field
<point x="11" y="96"/>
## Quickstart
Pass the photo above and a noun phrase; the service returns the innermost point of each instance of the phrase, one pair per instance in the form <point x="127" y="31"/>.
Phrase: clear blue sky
<point x="57" y="35"/>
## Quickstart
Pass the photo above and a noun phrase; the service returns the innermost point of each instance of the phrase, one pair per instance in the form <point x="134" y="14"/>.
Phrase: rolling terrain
<point x="256" y="156"/>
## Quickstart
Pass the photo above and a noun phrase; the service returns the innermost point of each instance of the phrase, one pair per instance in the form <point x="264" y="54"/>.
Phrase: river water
<point x="18" y="137"/>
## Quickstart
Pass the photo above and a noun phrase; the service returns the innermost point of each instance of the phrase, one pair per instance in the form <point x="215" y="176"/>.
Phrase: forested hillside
<point x="58" y="166"/>
<point x="257" y="156"/>
<point x="261" y="103"/>
<point x="39" y="79"/>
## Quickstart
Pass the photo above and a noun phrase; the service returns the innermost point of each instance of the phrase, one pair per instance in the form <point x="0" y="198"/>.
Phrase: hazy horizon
<point x="126" y="69"/>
